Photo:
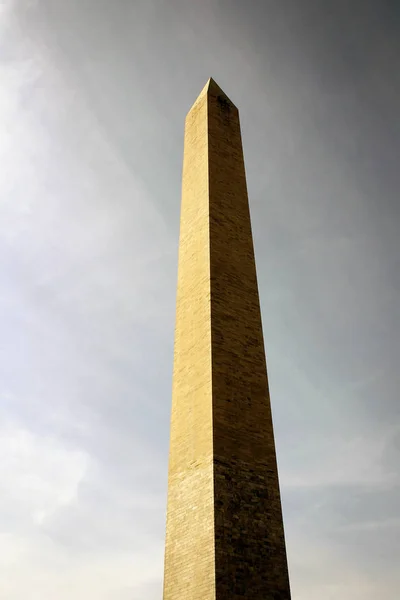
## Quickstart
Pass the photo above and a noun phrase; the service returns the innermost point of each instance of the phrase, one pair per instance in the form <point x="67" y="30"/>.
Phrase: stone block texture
<point x="224" y="536"/>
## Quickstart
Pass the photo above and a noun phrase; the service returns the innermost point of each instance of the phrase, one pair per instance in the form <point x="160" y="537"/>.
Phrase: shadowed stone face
<point x="225" y="537"/>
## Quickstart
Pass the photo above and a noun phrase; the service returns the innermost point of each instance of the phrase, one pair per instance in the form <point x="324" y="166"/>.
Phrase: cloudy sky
<point x="93" y="95"/>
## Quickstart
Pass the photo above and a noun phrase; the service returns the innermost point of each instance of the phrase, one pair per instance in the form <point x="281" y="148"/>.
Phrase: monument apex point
<point x="211" y="88"/>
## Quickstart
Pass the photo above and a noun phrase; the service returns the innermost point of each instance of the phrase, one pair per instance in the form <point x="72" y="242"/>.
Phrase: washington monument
<point x="224" y="538"/>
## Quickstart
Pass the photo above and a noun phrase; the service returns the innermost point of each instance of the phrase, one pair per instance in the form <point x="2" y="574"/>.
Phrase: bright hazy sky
<point x="93" y="95"/>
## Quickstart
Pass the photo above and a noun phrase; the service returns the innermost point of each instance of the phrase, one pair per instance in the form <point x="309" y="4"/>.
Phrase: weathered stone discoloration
<point x="225" y="537"/>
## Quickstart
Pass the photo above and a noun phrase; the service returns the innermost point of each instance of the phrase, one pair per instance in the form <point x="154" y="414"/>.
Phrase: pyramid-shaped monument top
<point x="212" y="89"/>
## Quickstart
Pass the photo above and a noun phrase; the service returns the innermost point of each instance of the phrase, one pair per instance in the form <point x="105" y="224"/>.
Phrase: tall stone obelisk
<point x="224" y="537"/>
